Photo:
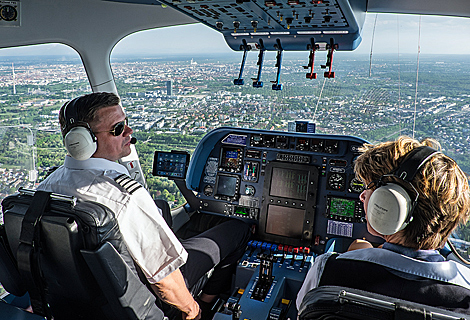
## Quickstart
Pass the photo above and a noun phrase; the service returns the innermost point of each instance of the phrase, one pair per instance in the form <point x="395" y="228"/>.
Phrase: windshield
<point x="402" y="80"/>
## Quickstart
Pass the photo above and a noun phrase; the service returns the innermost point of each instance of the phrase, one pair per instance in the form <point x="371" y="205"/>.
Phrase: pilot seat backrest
<point x="334" y="302"/>
<point x="71" y="259"/>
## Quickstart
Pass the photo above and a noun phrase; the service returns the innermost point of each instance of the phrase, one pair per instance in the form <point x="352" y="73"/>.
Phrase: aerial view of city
<point x="172" y="103"/>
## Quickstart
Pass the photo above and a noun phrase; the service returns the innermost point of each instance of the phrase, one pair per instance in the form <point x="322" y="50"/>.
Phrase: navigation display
<point x="231" y="159"/>
<point x="170" y="164"/>
<point x="341" y="207"/>
<point x="285" y="221"/>
<point x="227" y="186"/>
<point x="289" y="183"/>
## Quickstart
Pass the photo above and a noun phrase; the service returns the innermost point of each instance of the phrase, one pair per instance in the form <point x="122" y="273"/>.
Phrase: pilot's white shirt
<point x="150" y="241"/>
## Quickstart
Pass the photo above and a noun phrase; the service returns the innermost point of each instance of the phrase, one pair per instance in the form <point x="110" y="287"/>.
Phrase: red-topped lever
<point x="284" y="249"/>
<point x="311" y="59"/>
<point x="329" y="60"/>
<point x="306" y="252"/>
<point x="295" y="252"/>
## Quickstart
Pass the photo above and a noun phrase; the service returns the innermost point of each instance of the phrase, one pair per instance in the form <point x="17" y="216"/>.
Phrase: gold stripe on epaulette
<point x="128" y="183"/>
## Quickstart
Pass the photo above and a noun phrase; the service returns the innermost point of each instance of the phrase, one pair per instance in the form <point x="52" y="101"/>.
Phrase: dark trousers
<point x="220" y="248"/>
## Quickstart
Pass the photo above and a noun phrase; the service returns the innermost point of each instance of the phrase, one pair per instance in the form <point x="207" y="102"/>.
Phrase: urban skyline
<point x="203" y="97"/>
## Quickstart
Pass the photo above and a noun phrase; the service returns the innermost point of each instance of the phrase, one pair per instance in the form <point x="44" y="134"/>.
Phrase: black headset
<point x="390" y="207"/>
<point x="79" y="139"/>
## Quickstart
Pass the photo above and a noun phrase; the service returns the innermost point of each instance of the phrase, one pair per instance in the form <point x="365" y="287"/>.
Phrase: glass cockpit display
<point x="293" y="196"/>
<point x="343" y="209"/>
<point x="227" y="186"/>
<point x="289" y="183"/>
<point x="285" y="221"/>
<point x="231" y="159"/>
<point x="289" y="196"/>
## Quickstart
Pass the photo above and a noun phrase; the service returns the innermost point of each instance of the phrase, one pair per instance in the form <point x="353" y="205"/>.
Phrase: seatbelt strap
<point x="28" y="252"/>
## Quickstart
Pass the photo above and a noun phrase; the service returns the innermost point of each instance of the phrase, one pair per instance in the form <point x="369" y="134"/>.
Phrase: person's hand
<point x="360" y="244"/>
<point x="194" y="312"/>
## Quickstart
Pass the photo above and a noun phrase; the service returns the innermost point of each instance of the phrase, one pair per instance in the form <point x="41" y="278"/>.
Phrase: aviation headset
<point x="79" y="139"/>
<point x="390" y="208"/>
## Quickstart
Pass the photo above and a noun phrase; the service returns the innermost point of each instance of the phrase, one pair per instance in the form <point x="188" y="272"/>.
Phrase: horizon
<point x="211" y="56"/>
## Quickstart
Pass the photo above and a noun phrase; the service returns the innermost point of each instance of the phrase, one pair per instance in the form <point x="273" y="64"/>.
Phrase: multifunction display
<point x="342" y="209"/>
<point x="231" y="159"/>
<point x="286" y="222"/>
<point x="289" y="196"/>
<point x="289" y="183"/>
<point x="227" y="187"/>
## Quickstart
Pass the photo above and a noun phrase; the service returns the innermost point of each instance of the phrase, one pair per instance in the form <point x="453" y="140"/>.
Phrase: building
<point x="169" y="88"/>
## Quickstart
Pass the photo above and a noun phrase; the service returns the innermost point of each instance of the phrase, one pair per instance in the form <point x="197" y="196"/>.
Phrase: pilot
<point x="96" y="134"/>
<point x="415" y="198"/>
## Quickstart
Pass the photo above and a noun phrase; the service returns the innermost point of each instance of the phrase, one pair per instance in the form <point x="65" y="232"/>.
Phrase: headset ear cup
<point x="388" y="209"/>
<point x="80" y="143"/>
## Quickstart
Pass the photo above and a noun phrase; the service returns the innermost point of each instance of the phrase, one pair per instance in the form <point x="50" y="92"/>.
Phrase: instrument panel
<point x="298" y="188"/>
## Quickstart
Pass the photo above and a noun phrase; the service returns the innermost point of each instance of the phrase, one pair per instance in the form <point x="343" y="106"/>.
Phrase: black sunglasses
<point x="118" y="128"/>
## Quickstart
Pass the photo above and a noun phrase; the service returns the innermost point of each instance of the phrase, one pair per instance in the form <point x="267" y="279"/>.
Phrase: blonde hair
<point x="444" y="196"/>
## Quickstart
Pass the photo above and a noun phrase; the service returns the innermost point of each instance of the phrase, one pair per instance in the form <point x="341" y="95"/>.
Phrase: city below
<point x="376" y="101"/>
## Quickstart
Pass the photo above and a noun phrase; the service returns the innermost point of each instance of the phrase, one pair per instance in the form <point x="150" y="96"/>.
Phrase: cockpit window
<point x="400" y="81"/>
<point x="35" y="82"/>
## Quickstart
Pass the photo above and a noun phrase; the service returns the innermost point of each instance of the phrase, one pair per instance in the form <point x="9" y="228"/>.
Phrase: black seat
<point x="70" y="258"/>
<point x="332" y="302"/>
<point x="7" y="311"/>
<point x="166" y="212"/>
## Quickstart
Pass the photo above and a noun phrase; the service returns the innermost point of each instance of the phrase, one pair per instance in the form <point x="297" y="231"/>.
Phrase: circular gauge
<point x="208" y="190"/>
<point x="356" y="185"/>
<point x="336" y="181"/>
<point x="8" y="13"/>
<point x="249" y="190"/>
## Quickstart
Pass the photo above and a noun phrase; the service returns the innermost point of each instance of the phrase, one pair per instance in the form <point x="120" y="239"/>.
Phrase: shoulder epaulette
<point x="128" y="183"/>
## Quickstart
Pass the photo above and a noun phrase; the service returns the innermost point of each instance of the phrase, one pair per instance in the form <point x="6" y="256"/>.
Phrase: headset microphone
<point x="390" y="207"/>
<point x="132" y="163"/>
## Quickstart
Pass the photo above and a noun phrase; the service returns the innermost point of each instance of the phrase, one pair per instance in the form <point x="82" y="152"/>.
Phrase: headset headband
<point x="70" y="116"/>
<point x="413" y="162"/>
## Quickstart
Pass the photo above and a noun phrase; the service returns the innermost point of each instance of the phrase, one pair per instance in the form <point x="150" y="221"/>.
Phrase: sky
<point x="393" y="34"/>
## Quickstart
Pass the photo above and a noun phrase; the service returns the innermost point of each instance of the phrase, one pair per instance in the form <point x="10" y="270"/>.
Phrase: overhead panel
<point x="291" y="24"/>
